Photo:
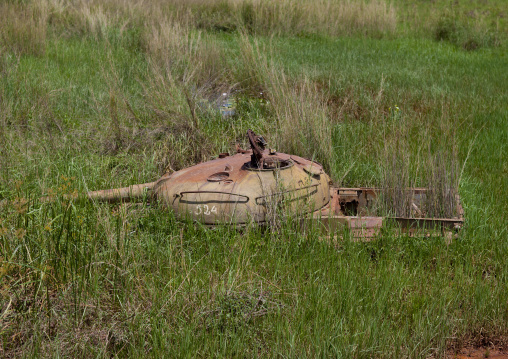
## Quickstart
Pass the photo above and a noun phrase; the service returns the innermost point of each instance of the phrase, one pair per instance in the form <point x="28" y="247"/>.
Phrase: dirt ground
<point x="476" y="353"/>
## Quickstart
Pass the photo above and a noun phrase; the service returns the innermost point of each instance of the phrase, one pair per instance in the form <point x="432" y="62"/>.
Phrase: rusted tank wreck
<point x="249" y="186"/>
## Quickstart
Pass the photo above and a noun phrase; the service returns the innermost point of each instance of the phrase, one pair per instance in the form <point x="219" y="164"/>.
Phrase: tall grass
<point x="301" y="116"/>
<point x="277" y="17"/>
<point x="23" y="28"/>
<point x="328" y="17"/>
<point x="187" y="72"/>
<point x="424" y="161"/>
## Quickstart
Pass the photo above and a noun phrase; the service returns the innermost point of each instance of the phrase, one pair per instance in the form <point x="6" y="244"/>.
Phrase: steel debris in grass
<point x="358" y="208"/>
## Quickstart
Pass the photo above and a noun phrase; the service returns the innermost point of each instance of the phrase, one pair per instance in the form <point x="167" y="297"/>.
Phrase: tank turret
<point x="236" y="189"/>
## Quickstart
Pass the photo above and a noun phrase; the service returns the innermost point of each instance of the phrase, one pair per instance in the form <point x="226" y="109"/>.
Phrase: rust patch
<point x="217" y="177"/>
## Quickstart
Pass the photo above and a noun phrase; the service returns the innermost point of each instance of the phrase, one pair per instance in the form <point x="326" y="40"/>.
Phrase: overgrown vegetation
<point x="105" y="94"/>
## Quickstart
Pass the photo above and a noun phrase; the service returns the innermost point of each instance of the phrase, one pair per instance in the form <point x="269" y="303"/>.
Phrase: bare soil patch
<point x="491" y="353"/>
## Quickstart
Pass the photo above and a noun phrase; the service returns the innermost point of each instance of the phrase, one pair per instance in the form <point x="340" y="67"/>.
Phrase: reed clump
<point x="422" y="162"/>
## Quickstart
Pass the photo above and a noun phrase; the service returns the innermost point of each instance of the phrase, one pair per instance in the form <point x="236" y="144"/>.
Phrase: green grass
<point x="106" y="281"/>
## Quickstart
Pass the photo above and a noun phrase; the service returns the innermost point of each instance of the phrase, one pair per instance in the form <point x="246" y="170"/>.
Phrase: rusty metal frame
<point x="364" y="227"/>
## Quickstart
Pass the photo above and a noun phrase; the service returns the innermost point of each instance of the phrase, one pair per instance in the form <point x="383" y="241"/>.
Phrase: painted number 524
<point x="205" y="209"/>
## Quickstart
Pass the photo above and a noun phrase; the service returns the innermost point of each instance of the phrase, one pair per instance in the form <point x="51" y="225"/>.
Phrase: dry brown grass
<point x="290" y="17"/>
<point x="23" y="27"/>
<point x="303" y="118"/>
<point x="272" y="17"/>
<point x="317" y="17"/>
<point x="184" y="72"/>
<point x="172" y="44"/>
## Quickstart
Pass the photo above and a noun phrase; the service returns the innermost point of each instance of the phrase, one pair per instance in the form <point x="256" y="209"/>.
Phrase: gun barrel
<point x="125" y="194"/>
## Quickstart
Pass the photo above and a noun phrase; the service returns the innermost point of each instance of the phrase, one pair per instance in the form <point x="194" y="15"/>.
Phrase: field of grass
<point x="106" y="94"/>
